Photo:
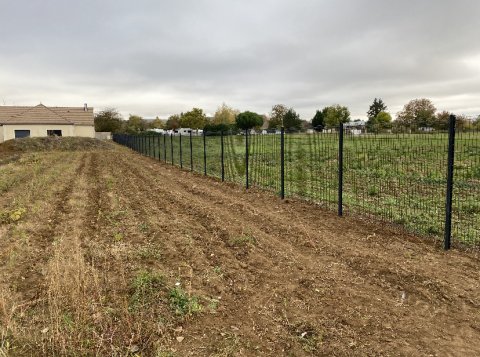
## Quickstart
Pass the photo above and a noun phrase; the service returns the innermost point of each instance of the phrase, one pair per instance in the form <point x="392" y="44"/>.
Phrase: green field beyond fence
<point x="399" y="178"/>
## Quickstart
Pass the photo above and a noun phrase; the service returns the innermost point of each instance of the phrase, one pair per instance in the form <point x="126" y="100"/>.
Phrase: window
<point x="22" y="134"/>
<point x="54" y="132"/>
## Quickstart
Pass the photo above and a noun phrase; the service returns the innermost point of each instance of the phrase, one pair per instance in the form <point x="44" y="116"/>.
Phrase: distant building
<point x="38" y="121"/>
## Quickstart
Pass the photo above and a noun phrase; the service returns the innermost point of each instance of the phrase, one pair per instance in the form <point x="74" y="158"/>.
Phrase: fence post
<point x="204" y="154"/>
<point x="222" y="156"/>
<point x="171" y="146"/>
<point x="246" y="159"/>
<point x="158" y="145"/>
<point x="180" y="143"/>
<point x="282" y="163"/>
<point x="191" y="151"/>
<point x="340" y="169"/>
<point x="165" y="148"/>
<point x="449" y="195"/>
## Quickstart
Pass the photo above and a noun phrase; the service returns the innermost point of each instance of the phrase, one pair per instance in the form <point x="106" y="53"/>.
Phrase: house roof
<point x="41" y="114"/>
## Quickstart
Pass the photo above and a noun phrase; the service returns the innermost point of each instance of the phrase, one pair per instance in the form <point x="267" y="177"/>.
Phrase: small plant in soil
<point x="183" y="303"/>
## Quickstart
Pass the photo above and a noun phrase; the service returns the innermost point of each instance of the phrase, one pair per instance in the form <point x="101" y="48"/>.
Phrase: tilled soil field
<point x="109" y="253"/>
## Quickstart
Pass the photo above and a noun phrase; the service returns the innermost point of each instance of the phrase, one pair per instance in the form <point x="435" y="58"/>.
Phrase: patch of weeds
<point x="182" y="303"/>
<point x="164" y="354"/>
<point x="118" y="237"/>
<point x="372" y="191"/>
<point x="212" y="305"/>
<point x="218" y="270"/>
<point x="109" y="183"/>
<point x="149" y="252"/>
<point x="242" y="241"/>
<point x="145" y="286"/>
<point x="67" y="321"/>
<point x="12" y="216"/>
<point x="144" y="227"/>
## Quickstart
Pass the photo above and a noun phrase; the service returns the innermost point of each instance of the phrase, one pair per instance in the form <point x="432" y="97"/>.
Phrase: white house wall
<point x="85" y="131"/>
<point x="36" y="130"/>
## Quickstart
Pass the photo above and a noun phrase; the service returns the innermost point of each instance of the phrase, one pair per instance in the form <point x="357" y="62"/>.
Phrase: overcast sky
<point x="156" y="58"/>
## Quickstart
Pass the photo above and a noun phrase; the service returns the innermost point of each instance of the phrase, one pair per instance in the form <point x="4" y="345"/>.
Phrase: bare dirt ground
<point x="106" y="252"/>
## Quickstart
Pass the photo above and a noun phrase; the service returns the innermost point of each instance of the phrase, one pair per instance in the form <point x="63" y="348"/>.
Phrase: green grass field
<point x="398" y="178"/>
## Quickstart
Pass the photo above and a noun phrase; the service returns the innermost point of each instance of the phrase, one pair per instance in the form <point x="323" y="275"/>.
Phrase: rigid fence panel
<point x="264" y="161"/>
<point x="311" y="167"/>
<point x="466" y="188"/>
<point x="400" y="178"/>
<point x="235" y="158"/>
<point x="213" y="154"/>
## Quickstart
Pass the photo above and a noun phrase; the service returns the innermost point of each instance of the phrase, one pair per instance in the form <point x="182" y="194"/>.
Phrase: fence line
<point x="427" y="182"/>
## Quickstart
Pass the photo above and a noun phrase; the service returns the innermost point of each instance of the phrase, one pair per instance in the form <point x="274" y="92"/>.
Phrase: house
<point x="37" y="121"/>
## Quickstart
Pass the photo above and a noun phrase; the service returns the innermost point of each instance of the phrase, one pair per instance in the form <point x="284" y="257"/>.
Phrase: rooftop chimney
<point x="85" y="108"/>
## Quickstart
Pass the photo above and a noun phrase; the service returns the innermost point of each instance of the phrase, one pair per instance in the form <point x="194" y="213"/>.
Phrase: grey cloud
<point x="162" y="57"/>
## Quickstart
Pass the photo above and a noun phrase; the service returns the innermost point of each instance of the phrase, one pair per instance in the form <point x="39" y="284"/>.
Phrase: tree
<point x="276" y="116"/>
<point x="194" y="119"/>
<point x="248" y="120"/>
<point x="382" y="121"/>
<point x="157" y="123"/>
<point x="108" y="119"/>
<point x="291" y="120"/>
<point x="224" y="115"/>
<point x="476" y="123"/>
<point x="375" y="108"/>
<point x="173" y="122"/>
<point x="441" y="120"/>
<point x="336" y="114"/>
<point x="135" y="124"/>
<point x="417" y="113"/>
<point x="318" y="121"/>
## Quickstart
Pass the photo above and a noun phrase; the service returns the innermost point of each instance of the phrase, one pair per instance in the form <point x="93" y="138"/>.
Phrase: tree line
<point x="417" y="114"/>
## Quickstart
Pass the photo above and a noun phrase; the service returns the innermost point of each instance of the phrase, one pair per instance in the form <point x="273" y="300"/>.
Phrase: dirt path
<point x="273" y="278"/>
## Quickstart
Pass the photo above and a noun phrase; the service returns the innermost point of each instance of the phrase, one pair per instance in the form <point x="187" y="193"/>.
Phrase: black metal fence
<point x="428" y="182"/>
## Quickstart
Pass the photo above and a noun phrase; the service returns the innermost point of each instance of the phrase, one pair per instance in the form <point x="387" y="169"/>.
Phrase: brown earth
<point x="117" y="254"/>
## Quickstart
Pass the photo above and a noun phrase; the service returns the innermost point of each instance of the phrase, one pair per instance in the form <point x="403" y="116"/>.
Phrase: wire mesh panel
<point x="213" y="151"/>
<point x="400" y="178"/>
<point x="234" y="158"/>
<point x="175" y="139"/>
<point x="311" y="167"/>
<point x="466" y="188"/>
<point x="197" y="153"/>
<point x="264" y="161"/>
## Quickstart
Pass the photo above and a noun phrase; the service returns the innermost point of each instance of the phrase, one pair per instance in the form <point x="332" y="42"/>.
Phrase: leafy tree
<point x="417" y="113"/>
<point x="225" y="115"/>
<point x="382" y="121"/>
<point x="318" y="121"/>
<point x="135" y="124"/>
<point x="108" y="119"/>
<point x="157" y="123"/>
<point x="194" y="119"/>
<point x="375" y="108"/>
<point x="173" y="122"/>
<point x="291" y="120"/>
<point x="476" y="123"/>
<point x="441" y="120"/>
<point x="211" y="127"/>
<point x="336" y="114"/>
<point x="276" y="116"/>
<point x="248" y="120"/>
